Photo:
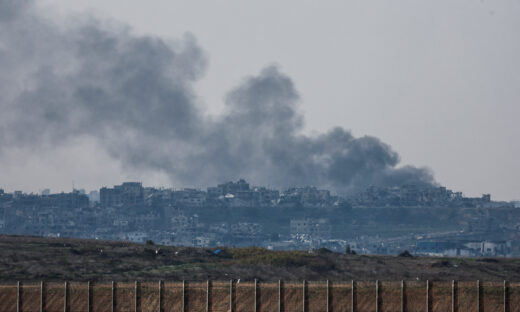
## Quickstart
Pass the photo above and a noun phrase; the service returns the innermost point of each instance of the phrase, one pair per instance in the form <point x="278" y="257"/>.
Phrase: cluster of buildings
<point x="231" y="194"/>
<point x="237" y="214"/>
<point x="464" y="248"/>
<point x="412" y="195"/>
<point x="168" y="216"/>
<point x="445" y="245"/>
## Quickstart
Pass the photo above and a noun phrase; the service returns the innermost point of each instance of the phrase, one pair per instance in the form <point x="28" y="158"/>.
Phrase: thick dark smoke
<point x="134" y="95"/>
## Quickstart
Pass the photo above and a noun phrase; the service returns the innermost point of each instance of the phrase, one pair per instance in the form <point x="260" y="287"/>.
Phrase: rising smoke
<point x="134" y="95"/>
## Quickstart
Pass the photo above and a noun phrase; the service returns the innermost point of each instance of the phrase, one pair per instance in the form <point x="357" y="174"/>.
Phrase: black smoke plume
<point x="134" y="95"/>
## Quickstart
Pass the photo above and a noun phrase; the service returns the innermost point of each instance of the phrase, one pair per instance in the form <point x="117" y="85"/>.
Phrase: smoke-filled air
<point x="134" y="95"/>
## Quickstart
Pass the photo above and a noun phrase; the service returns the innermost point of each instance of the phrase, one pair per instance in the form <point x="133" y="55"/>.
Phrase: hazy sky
<point x="439" y="81"/>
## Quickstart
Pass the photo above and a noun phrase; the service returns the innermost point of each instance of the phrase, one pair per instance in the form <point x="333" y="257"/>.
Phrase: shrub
<point x="324" y="250"/>
<point x="406" y="254"/>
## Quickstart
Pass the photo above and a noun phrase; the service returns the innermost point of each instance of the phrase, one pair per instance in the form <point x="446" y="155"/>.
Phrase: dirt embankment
<point x="33" y="259"/>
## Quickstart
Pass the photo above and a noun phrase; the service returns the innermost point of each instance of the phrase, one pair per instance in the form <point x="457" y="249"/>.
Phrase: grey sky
<point x="437" y="80"/>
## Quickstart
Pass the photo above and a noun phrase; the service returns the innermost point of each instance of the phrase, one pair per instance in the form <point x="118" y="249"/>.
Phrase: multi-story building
<point x="128" y="193"/>
<point x="315" y="228"/>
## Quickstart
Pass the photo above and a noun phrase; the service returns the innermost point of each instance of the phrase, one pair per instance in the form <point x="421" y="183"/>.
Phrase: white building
<point x="136" y="237"/>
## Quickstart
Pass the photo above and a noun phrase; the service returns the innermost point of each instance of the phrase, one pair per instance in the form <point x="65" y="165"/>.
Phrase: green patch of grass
<point x="165" y="269"/>
<point x="262" y="256"/>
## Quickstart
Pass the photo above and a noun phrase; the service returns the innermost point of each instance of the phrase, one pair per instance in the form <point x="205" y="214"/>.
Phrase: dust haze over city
<point x="354" y="127"/>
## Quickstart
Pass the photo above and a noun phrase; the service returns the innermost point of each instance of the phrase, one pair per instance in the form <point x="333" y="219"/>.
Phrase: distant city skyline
<point x="232" y="186"/>
<point x="438" y="82"/>
<point x="382" y="220"/>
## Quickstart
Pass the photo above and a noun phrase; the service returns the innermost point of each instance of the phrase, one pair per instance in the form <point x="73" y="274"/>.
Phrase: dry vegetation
<point x="33" y="259"/>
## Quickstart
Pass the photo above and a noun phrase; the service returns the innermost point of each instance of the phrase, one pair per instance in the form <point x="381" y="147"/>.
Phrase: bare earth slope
<point x="35" y="258"/>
